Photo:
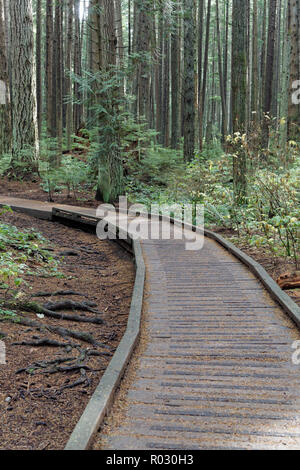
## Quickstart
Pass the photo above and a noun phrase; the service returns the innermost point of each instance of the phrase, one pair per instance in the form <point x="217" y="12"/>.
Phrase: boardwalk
<point x="216" y="371"/>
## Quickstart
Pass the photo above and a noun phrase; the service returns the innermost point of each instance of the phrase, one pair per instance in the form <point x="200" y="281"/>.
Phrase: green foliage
<point x="72" y="174"/>
<point x="155" y="166"/>
<point x="269" y="217"/>
<point x="4" y="163"/>
<point x="18" y="250"/>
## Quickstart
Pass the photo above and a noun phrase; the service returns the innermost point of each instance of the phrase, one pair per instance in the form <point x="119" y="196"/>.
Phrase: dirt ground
<point x="40" y="406"/>
<point x="33" y="190"/>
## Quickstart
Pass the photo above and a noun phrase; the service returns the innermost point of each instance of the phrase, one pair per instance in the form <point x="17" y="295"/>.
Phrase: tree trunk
<point x="24" y="108"/>
<point x="49" y="65"/>
<point x="69" y="110"/>
<point x="239" y="92"/>
<point x="294" y="106"/>
<point x="39" y="96"/>
<point x="189" y="80"/>
<point x="5" y="111"/>
<point x="175" y="66"/>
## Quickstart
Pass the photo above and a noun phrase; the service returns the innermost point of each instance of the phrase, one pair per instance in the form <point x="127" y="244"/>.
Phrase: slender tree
<point x="239" y="91"/>
<point x="39" y="95"/>
<point x="5" y="111"/>
<point x="189" y="79"/>
<point x="294" y="36"/>
<point x="49" y="65"/>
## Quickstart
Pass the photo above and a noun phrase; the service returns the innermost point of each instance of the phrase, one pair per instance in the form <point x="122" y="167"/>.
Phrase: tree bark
<point x="25" y="145"/>
<point x="189" y="80"/>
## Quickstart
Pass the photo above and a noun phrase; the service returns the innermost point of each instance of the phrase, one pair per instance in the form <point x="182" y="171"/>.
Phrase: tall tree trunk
<point x="77" y="108"/>
<point x="239" y="92"/>
<point x="254" y="94"/>
<point x="49" y="65"/>
<point x="143" y="9"/>
<point x="204" y="81"/>
<point x="69" y="111"/>
<point x="175" y="66"/>
<point x="110" y="174"/>
<point x="5" y="111"/>
<point x="223" y="97"/>
<point x="39" y="96"/>
<point x="294" y="106"/>
<point x="269" y="72"/>
<point x="166" y="79"/>
<point x="24" y="107"/>
<point x="59" y="82"/>
<point x="189" y="80"/>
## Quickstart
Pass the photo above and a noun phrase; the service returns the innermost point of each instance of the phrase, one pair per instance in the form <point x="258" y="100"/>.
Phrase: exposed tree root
<point x="64" y="332"/>
<point x="43" y="310"/>
<point x="75" y="318"/>
<point x="83" y="381"/>
<point x="57" y="293"/>
<point x="44" y="342"/>
<point x="72" y="305"/>
<point x="44" y="364"/>
<point x="55" y="367"/>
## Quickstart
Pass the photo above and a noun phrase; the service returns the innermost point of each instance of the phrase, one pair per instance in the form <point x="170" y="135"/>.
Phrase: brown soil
<point x="35" y="411"/>
<point x="32" y="189"/>
<point x="275" y="266"/>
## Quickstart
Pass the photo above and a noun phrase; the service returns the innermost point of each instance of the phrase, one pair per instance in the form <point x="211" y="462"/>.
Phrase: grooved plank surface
<point x="216" y="371"/>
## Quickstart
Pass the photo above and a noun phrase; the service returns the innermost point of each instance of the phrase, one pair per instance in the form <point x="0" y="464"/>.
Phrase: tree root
<point x="55" y="367"/>
<point x="64" y="332"/>
<point x="44" y="342"/>
<point x="43" y="310"/>
<point x="75" y="318"/>
<point x="44" y="364"/>
<point x="82" y="381"/>
<point x="71" y="305"/>
<point x="57" y="293"/>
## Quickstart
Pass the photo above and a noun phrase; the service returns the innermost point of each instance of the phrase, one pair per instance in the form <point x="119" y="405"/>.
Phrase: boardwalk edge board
<point x="103" y="397"/>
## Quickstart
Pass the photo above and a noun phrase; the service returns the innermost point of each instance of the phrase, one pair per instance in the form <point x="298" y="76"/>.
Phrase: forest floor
<point x="41" y="401"/>
<point x="33" y="190"/>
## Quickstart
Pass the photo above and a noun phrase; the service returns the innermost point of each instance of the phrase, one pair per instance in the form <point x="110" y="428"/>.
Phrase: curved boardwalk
<point x="216" y="371"/>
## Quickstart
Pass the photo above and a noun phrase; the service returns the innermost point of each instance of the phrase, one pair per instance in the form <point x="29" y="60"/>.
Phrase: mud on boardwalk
<point x="41" y="404"/>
